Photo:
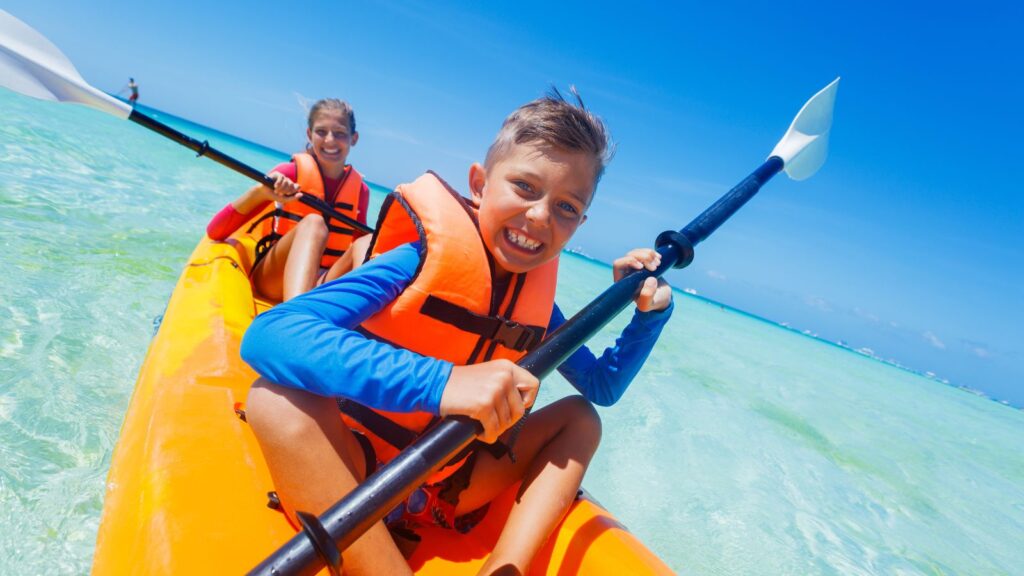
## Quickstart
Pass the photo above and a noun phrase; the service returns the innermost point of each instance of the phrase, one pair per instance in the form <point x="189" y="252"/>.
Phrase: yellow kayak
<point x="187" y="490"/>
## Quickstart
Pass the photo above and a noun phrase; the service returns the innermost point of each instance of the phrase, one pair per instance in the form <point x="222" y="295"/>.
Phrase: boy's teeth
<point x="522" y="241"/>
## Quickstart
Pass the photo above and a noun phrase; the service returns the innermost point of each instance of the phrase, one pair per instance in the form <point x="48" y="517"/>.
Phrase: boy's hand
<point x="655" y="294"/>
<point x="284" y="190"/>
<point x="495" y="394"/>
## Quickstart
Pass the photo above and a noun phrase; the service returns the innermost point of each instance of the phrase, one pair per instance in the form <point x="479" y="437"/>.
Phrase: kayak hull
<point x="187" y="489"/>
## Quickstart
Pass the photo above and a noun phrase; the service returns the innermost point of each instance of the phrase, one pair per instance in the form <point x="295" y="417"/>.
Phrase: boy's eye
<point x="568" y="208"/>
<point x="524" y="186"/>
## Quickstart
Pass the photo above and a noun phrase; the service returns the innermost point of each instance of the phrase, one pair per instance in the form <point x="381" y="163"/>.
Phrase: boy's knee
<point x="273" y="414"/>
<point x="584" y="419"/>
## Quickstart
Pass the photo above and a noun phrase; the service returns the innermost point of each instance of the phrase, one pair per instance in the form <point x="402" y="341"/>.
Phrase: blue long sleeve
<point x="309" y="342"/>
<point x="603" y="380"/>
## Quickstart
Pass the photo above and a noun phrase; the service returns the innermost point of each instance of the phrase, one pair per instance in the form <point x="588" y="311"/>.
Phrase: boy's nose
<point x="538" y="213"/>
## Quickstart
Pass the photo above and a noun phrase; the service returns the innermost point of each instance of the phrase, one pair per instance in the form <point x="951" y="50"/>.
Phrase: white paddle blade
<point x="32" y="65"/>
<point x="805" y="146"/>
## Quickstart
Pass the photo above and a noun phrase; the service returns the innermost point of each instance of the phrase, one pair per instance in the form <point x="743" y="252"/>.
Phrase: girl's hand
<point x="655" y="294"/>
<point x="284" y="190"/>
<point x="495" y="394"/>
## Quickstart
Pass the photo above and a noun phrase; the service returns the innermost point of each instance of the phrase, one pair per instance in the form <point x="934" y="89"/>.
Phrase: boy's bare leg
<point x="292" y="265"/>
<point x="314" y="460"/>
<point x="552" y="454"/>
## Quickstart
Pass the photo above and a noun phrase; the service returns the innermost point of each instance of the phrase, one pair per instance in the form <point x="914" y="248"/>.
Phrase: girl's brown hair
<point x="333" y="104"/>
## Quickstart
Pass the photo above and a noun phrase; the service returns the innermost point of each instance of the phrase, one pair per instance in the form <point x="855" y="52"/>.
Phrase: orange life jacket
<point x="447" y="311"/>
<point x="311" y="182"/>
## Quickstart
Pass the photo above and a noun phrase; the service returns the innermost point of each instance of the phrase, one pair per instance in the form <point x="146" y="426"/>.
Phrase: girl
<point x="300" y="247"/>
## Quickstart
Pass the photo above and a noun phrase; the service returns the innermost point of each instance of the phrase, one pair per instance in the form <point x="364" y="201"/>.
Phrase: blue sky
<point x="909" y="241"/>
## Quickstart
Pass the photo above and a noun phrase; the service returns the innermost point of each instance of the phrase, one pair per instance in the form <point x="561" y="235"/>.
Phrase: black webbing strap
<point x="270" y="214"/>
<point x="380" y="426"/>
<point x="340" y="230"/>
<point x="519" y="337"/>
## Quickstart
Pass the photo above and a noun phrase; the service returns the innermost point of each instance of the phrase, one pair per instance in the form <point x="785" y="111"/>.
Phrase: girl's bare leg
<point x="293" y="263"/>
<point x="314" y="460"/>
<point x="350" y="260"/>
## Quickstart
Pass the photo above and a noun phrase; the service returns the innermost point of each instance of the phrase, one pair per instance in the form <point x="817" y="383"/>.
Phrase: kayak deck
<point x="187" y="489"/>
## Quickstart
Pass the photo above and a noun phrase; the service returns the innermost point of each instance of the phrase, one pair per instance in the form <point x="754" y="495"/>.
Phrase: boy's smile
<point x="531" y="201"/>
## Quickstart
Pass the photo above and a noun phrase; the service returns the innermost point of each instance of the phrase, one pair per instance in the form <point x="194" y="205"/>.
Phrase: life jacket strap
<point x="508" y="333"/>
<point x="387" y="430"/>
<point x="260" y="220"/>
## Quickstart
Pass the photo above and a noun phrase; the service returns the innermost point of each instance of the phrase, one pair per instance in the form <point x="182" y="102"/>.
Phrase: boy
<point x="429" y="327"/>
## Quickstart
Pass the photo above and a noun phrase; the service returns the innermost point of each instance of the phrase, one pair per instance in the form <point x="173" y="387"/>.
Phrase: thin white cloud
<point x="866" y="315"/>
<point x="819" y="303"/>
<point x="689" y="187"/>
<point x="391" y="134"/>
<point x="644" y="209"/>
<point x="932" y="339"/>
<point x="305" y="102"/>
<point x="716" y="275"/>
<point x="978" y="349"/>
<point x="386" y="133"/>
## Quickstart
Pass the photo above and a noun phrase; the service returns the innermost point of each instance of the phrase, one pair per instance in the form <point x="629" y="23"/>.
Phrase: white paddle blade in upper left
<point x="31" y="65"/>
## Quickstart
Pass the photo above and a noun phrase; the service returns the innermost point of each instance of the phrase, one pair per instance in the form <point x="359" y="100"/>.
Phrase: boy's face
<point x="531" y="201"/>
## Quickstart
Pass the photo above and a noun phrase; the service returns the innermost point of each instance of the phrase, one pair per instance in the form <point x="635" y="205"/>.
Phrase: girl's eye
<point x="524" y="186"/>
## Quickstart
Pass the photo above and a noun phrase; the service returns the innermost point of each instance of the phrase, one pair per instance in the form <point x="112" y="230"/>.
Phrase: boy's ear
<point x="355" y="138"/>
<point x="477" y="181"/>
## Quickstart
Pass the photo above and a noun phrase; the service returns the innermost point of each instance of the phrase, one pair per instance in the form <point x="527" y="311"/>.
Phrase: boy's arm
<point x="308" y="342"/>
<point x="603" y="380"/>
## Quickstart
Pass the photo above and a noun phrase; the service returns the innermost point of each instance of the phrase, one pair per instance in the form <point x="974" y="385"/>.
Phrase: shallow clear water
<point x="742" y="448"/>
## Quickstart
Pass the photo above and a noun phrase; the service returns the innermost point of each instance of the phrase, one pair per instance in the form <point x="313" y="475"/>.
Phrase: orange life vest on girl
<point x="311" y="182"/>
<point x="448" y="311"/>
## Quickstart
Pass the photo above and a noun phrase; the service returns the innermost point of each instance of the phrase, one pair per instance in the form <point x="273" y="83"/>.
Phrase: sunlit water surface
<point x="742" y="448"/>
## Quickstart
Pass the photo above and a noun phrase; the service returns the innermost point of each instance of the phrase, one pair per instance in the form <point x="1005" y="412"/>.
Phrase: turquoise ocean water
<point x="742" y="448"/>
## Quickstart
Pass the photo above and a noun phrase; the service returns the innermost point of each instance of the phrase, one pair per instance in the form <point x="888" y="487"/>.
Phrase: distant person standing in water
<point x="135" y="91"/>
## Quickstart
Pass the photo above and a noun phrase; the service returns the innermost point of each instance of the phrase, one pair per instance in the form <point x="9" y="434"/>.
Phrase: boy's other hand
<point x="495" y="394"/>
<point x="655" y="294"/>
<point x="284" y="189"/>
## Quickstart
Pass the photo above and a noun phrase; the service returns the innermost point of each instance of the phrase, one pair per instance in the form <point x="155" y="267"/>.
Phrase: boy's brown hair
<point x="333" y="104"/>
<point x="552" y="121"/>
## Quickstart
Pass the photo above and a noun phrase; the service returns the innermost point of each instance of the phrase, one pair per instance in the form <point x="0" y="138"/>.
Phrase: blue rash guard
<point x="309" y="343"/>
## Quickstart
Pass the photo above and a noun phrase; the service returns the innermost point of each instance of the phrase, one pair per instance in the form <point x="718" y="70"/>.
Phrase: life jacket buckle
<point x="512" y="334"/>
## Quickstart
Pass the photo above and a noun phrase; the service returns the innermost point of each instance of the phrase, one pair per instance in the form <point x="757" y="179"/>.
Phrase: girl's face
<point x="331" y="138"/>
<point x="531" y="202"/>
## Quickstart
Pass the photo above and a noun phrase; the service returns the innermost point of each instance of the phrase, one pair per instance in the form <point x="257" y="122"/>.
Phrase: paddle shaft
<point x="354" y="514"/>
<point x="204" y="149"/>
